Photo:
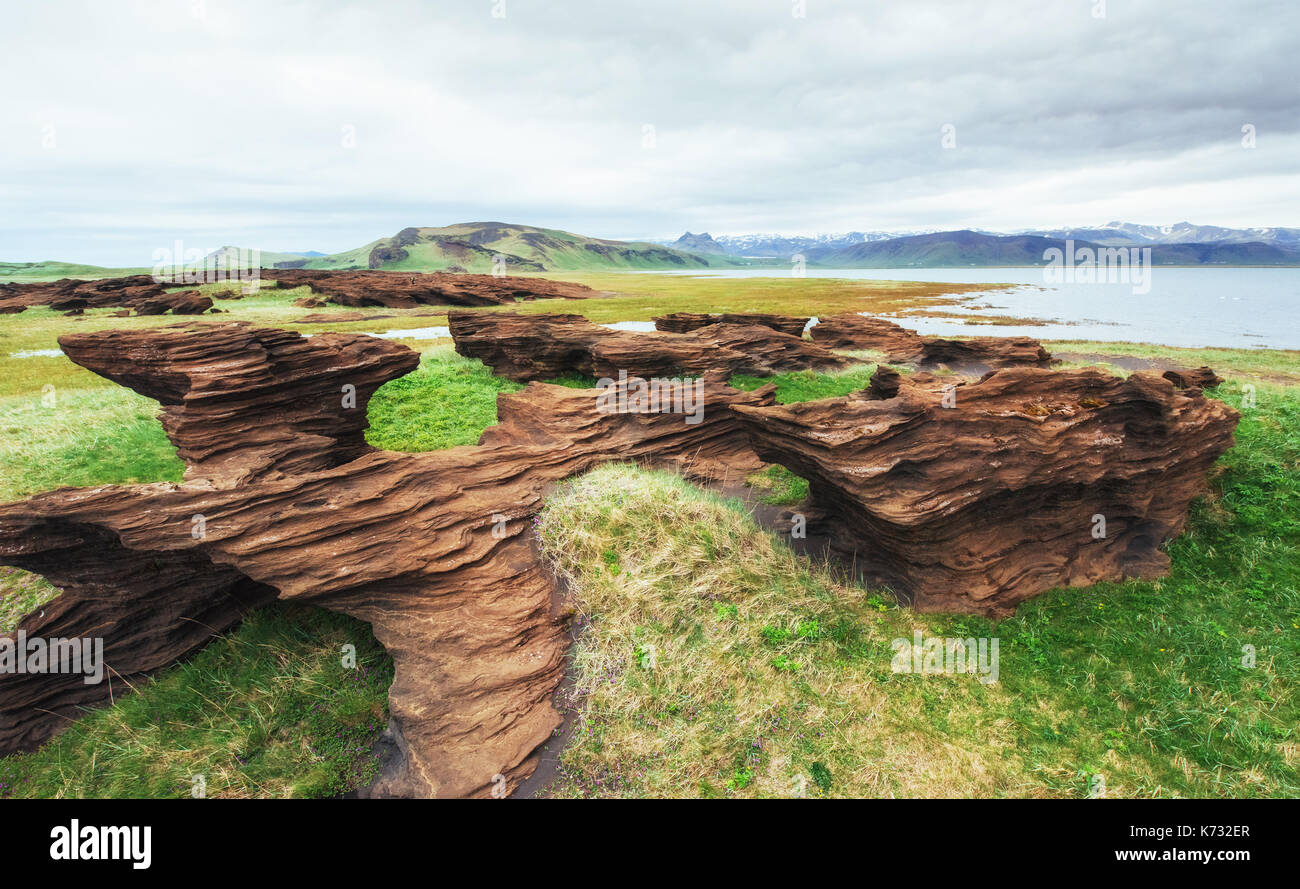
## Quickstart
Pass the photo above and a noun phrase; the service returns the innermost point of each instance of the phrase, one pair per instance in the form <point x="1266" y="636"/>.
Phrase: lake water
<point x="1239" y="308"/>
<point x="416" y="333"/>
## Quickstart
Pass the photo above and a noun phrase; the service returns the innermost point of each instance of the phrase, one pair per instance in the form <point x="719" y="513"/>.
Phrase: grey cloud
<point x="229" y="127"/>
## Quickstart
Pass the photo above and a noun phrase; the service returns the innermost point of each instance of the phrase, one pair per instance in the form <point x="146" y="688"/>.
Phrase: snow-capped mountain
<point x="766" y="245"/>
<point x="1115" y="234"/>
<point x="1111" y="234"/>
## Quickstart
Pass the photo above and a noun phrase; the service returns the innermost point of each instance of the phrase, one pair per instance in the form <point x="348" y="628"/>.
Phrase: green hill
<point x="472" y="246"/>
<point x="52" y="270"/>
<point x="467" y="246"/>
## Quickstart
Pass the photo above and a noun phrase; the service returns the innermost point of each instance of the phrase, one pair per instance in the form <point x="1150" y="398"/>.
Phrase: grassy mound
<point x="716" y="662"/>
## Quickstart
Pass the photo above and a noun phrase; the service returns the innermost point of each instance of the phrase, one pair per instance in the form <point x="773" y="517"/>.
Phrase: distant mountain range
<point x="1123" y="234"/>
<point x="969" y="248"/>
<point x="524" y="249"/>
<point x="475" y="246"/>
<point x="471" y="247"/>
<point x="1181" y="244"/>
<point x="780" y="247"/>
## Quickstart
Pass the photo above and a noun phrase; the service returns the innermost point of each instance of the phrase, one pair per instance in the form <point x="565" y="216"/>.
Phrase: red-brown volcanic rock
<point x="73" y="293"/>
<point x="73" y="296"/>
<point x="541" y="347"/>
<point x="684" y="322"/>
<point x="1197" y="378"/>
<point x="904" y="346"/>
<point x="283" y="499"/>
<point x="184" y="302"/>
<point x="242" y="402"/>
<point x="852" y="331"/>
<point x="404" y="290"/>
<point x="979" y="506"/>
<point x="356" y="288"/>
<point x="993" y="351"/>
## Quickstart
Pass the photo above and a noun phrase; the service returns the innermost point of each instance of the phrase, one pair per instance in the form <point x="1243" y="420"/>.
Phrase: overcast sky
<point x="325" y="125"/>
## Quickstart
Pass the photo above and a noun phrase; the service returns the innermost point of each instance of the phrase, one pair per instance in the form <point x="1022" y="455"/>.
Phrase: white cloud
<point x="229" y="127"/>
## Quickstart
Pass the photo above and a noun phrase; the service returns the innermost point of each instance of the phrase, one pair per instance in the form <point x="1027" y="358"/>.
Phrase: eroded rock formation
<point x="72" y="293"/>
<point x="241" y="402"/>
<point x="404" y="290"/>
<point x="903" y="346"/>
<point x="283" y="499"/>
<point x="1193" y="378"/>
<point x="184" y="302"/>
<point x="684" y="322"/>
<point x="73" y="296"/>
<point x="357" y="288"/>
<point x="542" y="347"/>
<point x="976" y="496"/>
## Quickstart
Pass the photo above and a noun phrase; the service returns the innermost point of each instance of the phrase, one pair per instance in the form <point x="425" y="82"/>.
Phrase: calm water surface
<point x="1238" y="308"/>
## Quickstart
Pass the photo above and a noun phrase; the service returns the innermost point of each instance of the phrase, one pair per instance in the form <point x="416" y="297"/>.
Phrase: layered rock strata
<point x="974" y="496"/>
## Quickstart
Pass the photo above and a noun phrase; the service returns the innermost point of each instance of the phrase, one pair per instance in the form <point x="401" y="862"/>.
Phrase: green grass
<point x="21" y="593"/>
<point x="266" y="711"/>
<point x="82" y="437"/>
<point x="53" y="270"/>
<point x="640" y="297"/>
<point x="767" y="672"/>
<point x="448" y="401"/>
<point x="781" y="486"/>
<point x="1271" y="365"/>
<point x="809" y="385"/>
